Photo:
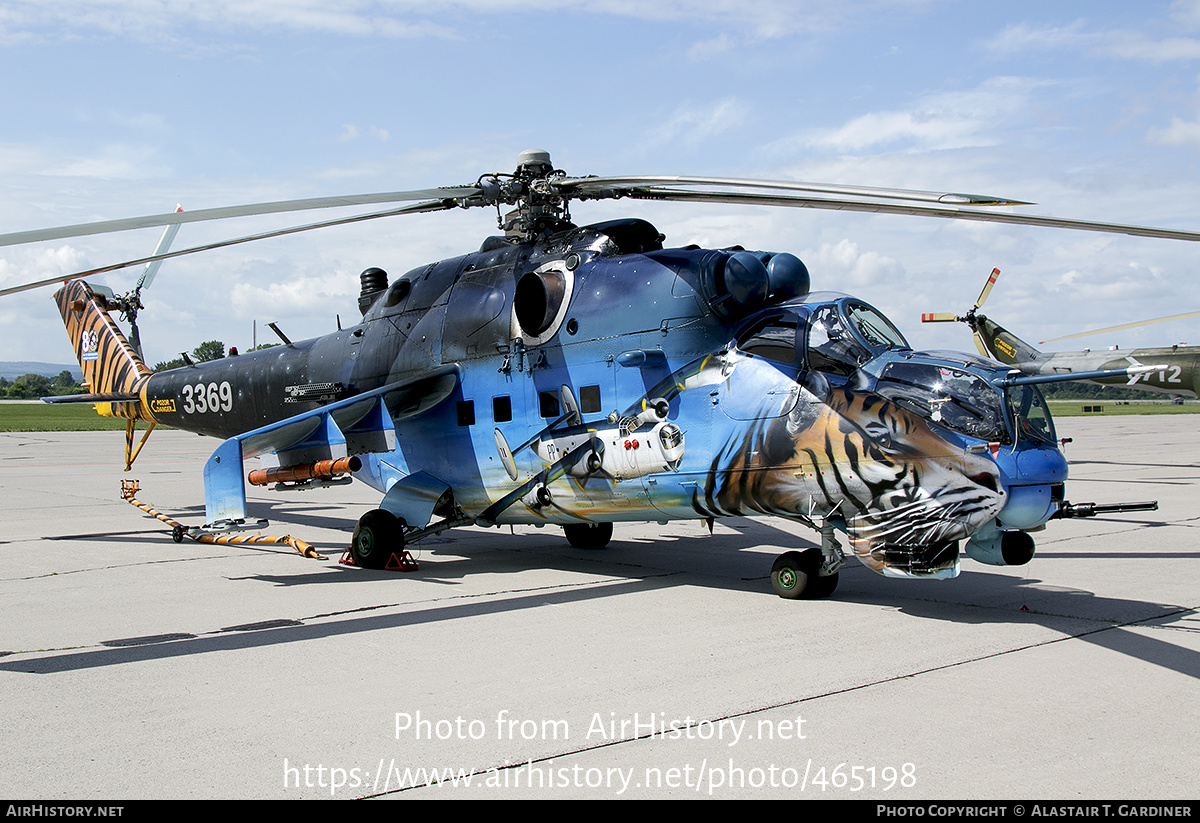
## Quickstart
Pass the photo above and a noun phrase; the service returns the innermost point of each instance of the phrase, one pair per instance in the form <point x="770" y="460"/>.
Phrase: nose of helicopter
<point x="1034" y="478"/>
<point x="915" y="532"/>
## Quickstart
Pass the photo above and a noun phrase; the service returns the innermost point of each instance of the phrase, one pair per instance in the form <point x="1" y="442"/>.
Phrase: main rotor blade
<point x="1124" y="326"/>
<point x="417" y="208"/>
<point x="164" y="243"/>
<point x="221" y="213"/>
<point x="617" y="186"/>
<point x="917" y="210"/>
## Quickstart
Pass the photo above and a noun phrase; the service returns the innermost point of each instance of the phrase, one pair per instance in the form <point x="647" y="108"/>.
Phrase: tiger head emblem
<point x="905" y="493"/>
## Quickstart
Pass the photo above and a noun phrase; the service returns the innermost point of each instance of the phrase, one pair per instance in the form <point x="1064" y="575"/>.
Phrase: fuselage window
<point x="831" y="347"/>
<point x="548" y="403"/>
<point x="1032" y="417"/>
<point x="774" y="339"/>
<point x="466" y="413"/>
<point x="955" y="399"/>
<point x="589" y="399"/>
<point x="502" y="409"/>
<point x="876" y="329"/>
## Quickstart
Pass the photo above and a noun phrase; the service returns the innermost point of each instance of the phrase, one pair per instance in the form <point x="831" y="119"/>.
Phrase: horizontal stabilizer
<point x="106" y="397"/>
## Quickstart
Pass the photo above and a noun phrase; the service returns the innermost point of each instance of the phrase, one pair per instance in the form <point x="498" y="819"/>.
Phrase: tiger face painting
<point x="903" y="492"/>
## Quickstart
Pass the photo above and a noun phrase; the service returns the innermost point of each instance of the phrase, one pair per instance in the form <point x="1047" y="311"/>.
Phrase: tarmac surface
<point x="513" y="665"/>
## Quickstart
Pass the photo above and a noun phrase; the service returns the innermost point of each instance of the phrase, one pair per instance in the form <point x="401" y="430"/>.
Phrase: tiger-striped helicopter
<point x="640" y="382"/>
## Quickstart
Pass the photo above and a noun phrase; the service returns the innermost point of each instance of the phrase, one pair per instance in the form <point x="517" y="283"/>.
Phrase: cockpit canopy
<point x="837" y="335"/>
<point x="831" y="333"/>
<point x="951" y="397"/>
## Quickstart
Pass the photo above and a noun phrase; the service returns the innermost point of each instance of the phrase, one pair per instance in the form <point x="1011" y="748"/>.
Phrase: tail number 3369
<point x="207" y="397"/>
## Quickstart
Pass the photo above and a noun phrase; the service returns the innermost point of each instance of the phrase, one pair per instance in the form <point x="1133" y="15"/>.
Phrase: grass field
<point x="43" y="417"/>
<point x="1110" y="408"/>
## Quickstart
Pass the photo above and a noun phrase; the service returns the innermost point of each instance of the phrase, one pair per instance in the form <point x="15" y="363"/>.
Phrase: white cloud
<point x="298" y="295"/>
<point x="1118" y="43"/>
<point x="159" y="20"/>
<point x="110" y="162"/>
<point x="116" y="162"/>
<point x="1186" y="13"/>
<point x="1023" y="37"/>
<point x="707" y="49"/>
<point x="24" y="265"/>
<point x="851" y="269"/>
<point x="692" y="124"/>
<point x="1138" y="46"/>
<point x="941" y="120"/>
<point x="1179" y="133"/>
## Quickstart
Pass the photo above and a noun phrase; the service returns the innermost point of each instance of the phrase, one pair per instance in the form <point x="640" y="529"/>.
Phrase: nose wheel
<point x="796" y="576"/>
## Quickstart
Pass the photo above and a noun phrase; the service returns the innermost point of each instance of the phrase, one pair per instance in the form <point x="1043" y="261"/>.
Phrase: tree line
<point x="33" y="386"/>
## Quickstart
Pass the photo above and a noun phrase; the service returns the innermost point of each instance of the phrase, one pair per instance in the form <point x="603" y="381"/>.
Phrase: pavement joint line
<point x="832" y="693"/>
<point x="786" y="703"/>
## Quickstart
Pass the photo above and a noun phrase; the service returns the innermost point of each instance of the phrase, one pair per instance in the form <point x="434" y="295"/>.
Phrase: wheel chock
<point x="401" y="561"/>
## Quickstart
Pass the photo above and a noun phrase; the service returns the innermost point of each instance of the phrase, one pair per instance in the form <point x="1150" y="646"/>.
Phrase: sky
<point x="116" y="108"/>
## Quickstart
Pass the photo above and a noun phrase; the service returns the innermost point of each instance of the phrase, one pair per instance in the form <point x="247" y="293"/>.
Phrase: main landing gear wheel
<point x="589" y="535"/>
<point x="794" y="576"/>
<point x="377" y="534"/>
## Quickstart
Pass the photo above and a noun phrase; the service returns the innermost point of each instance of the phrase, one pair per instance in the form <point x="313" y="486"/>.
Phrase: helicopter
<point x="639" y="382"/>
<point x="1173" y="370"/>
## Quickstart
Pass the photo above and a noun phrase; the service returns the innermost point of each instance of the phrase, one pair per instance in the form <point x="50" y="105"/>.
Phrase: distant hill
<point x="13" y="369"/>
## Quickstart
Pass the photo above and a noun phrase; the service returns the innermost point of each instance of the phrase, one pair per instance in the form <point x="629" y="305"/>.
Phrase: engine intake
<point x="736" y="282"/>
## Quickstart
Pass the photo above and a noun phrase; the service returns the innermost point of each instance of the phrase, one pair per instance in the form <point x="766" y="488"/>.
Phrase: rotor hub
<point x="540" y="208"/>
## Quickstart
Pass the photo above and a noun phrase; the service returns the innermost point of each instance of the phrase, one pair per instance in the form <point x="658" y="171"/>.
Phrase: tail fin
<point x="997" y="342"/>
<point x="113" y="373"/>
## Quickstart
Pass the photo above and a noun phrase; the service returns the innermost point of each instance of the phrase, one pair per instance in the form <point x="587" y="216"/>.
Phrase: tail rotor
<point x="971" y="318"/>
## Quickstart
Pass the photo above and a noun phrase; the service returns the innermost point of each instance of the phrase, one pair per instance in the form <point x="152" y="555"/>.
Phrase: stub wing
<point x="357" y="425"/>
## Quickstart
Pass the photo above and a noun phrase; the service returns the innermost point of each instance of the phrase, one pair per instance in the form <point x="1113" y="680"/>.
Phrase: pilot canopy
<point x="834" y="334"/>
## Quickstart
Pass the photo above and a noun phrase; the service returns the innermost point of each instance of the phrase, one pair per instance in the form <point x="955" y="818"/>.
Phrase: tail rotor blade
<point x="979" y="344"/>
<point x="987" y="288"/>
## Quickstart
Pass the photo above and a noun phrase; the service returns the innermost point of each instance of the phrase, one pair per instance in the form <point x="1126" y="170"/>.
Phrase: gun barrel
<point x="1093" y="509"/>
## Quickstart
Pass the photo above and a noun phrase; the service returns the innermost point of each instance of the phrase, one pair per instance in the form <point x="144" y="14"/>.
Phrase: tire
<point x="794" y="576"/>
<point x="377" y="535"/>
<point x="821" y="587"/>
<point x="589" y="536"/>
